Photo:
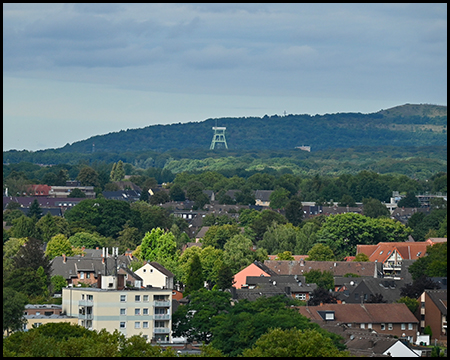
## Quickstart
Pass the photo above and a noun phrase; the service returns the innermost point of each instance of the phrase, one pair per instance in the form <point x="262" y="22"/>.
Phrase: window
<point x="82" y="296"/>
<point x="390" y="327"/>
<point x="410" y="326"/>
<point x="90" y="297"/>
<point x="403" y="327"/>
<point x="369" y="325"/>
<point x="137" y="298"/>
<point x="145" y="311"/>
<point x="137" y="325"/>
<point x="38" y="313"/>
<point x="123" y="298"/>
<point x="123" y="311"/>
<point x="88" y="275"/>
<point x="82" y="275"/>
<point x="137" y="311"/>
<point x="159" y="324"/>
<point x="122" y="325"/>
<point x="144" y="270"/>
<point x="145" y="324"/>
<point x="145" y="298"/>
<point x="363" y="326"/>
<point x="383" y="327"/>
<point x="356" y="296"/>
<point x="300" y="296"/>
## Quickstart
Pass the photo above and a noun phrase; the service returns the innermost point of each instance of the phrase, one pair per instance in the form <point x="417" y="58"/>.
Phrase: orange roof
<point x="407" y="250"/>
<point x="433" y="241"/>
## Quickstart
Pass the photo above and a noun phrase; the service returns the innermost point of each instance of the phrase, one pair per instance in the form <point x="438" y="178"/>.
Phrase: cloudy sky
<point x="72" y="71"/>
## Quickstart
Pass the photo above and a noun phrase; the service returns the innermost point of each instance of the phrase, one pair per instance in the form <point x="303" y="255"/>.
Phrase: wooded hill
<point x="406" y="125"/>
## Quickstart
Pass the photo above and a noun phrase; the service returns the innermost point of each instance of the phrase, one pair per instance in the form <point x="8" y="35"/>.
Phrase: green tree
<point x="35" y="210"/>
<point x="279" y="238"/>
<point x="306" y="237"/>
<point x="320" y="252"/>
<point x="77" y="193"/>
<point x="434" y="264"/>
<point x="286" y="255"/>
<point x="176" y="193"/>
<point x="321" y="295"/>
<point x="88" y="240"/>
<point x="32" y="256"/>
<point x="57" y="246"/>
<point x="217" y="236"/>
<point x="347" y="200"/>
<point x="374" y="208"/>
<point x="294" y="211"/>
<point x="361" y="257"/>
<point x="412" y="304"/>
<point x="10" y="214"/>
<point x="88" y="177"/>
<point x="409" y="200"/>
<point x="323" y="279"/>
<point x="49" y="226"/>
<point x="279" y="198"/>
<point x="238" y="253"/>
<point x="13" y="307"/>
<point x="294" y="343"/>
<point x="158" y="245"/>
<point x="57" y="283"/>
<point x="193" y="320"/>
<point x="225" y="276"/>
<point x="195" y="276"/>
<point x="265" y="219"/>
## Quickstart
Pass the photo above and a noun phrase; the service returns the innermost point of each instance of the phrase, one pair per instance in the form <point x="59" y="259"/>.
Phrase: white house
<point x="156" y="275"/>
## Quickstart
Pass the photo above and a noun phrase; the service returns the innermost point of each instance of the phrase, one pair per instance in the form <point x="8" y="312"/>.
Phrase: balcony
<point x="161" y="316"/>
<point x="161" y="303"/>
<point x="161" y="330"/>
<point x="85" y="303"/>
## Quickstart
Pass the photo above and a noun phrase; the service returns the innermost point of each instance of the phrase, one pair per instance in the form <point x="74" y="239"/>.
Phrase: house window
<point x="38" y="313"/>
<point x="410" y="326"/>
<point x="383" y="327"/>
<point x="137" y="298"/>
<point x="300" y="296"/>
<point x="122" y="325"/>
<point x="145" y="324"/>
<point x="82" y="275"/>
<point x="88" y="275"/>
<point x="144" y="270"/>
<point x="390" y="326"/>
<point x="123" y="298"/>
<point x="403" y="327"/>
<point x="137" y="325"/>
<point x="145" y="298"/>
<point x="356" y="296"/>
<point x="123" y="311"/>
<point x="363" y="326"/>
<point x="137" y="311"/>
<point x="145" y="311"/>
<point x="369" y="325"/>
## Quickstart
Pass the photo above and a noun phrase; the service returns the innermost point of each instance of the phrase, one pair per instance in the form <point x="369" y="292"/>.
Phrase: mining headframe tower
<point x="219" y="137"/>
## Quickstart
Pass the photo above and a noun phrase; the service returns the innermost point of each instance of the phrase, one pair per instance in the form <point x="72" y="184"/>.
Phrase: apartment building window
<point x="137" y="311"/>
<point x="403" y="327"/>
<point x="410" y="326"/>
<point x="159" y="324"/>
<point x="390" y="327"/>
<point x="145" y="298"/>
<point x="90" y="297"/>
<point x="123" y="311"/>
<point x="123" y="298"/>
<point x="123" y="325"/>
<point x="383" y="327"/>
<point x="82" y="296"/>
<point x="137" y="298"/>
<point x="145" y="324"/>
<point x="144" y="311"/>
<point x="137" y="325"/>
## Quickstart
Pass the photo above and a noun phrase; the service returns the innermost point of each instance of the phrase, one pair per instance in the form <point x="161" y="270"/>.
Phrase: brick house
<point x="433" y="312"/>
<point x="392" y="319"/>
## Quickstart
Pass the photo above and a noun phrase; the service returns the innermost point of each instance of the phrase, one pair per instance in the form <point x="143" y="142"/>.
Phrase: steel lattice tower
<point x="219" y="137"/>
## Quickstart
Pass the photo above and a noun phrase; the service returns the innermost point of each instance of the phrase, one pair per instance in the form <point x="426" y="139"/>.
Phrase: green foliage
<point x="23" y="227"/>
<point x="13" y="307"/>
<point x="265" y="218"/>
<point x="88" y="240"/>
<point x="35" y="210"/>
<point x="279" y="238"/>
<point x="158" y="245"/>
<point x="320" y="252"/>
<point x="88" y="177"/>
<point x="323" y="279"/>
<point x="412" y="304"/>
<point x="374" y="208"/>
<point x="361" y="257"/>
<point x="195" y="276"/>
<point x="58" y="282"/>
<point x="409" y="200"/>
<point x="279" y="198"/>
<point x="77" y="193"/>
<point x="238" y="253"/>
<point x="427" y="331"/>
<point x="294" y="343"/>
<point x="286" y="255"/>
<point x="217" y="236"/>
<point x="57" y="246"/>
<point x="294" y="211"/>
<point x="434" y="264"/>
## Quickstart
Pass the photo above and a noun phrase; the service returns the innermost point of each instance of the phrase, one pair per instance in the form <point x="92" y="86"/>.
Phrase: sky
<point x="73" y="71"/>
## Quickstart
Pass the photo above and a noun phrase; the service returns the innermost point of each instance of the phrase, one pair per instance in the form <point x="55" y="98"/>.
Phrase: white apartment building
<point x="135" y="311"/>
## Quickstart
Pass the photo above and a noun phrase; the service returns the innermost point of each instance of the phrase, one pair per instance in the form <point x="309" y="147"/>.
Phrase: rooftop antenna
<point x="218" y="137"/>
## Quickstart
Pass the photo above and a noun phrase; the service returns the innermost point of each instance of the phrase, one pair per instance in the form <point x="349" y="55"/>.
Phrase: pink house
<point x="254" y="269"/>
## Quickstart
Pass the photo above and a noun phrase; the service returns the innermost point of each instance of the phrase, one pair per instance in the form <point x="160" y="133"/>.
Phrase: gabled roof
<point x="381" y="251"/>
<point x="338" y="268"/>
<point x="161" y="269"/>
<point x="202" y="232"/>
<point x="439" y="297"/>
<point x="366" y="313"/>
<point x="263" y="195"/>
<point x="296" y="257"/>
<point x="281" y="282"/>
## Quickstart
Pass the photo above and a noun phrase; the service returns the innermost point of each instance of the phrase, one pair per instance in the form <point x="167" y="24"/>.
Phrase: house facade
<point x="254" y="269"/>
<point x="432" y="312"/>
<point x="146" y="311"/>
<point x="154" y="274"/>
<point x="391" y="319"/>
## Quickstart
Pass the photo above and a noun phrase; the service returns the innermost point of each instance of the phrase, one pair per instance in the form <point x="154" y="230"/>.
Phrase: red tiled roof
<point x="381" y="251"/>
<point x="367" y="313"/>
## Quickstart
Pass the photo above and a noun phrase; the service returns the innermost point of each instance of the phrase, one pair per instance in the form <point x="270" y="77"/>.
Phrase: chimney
<point x="103" y="256"/>
<point x="64" y="258"/>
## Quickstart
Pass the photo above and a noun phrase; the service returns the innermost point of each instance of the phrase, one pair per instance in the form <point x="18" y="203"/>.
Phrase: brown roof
<point x="296" y="257"/>
<point x="338" y="268"/>
<point x="366" y="313"/>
